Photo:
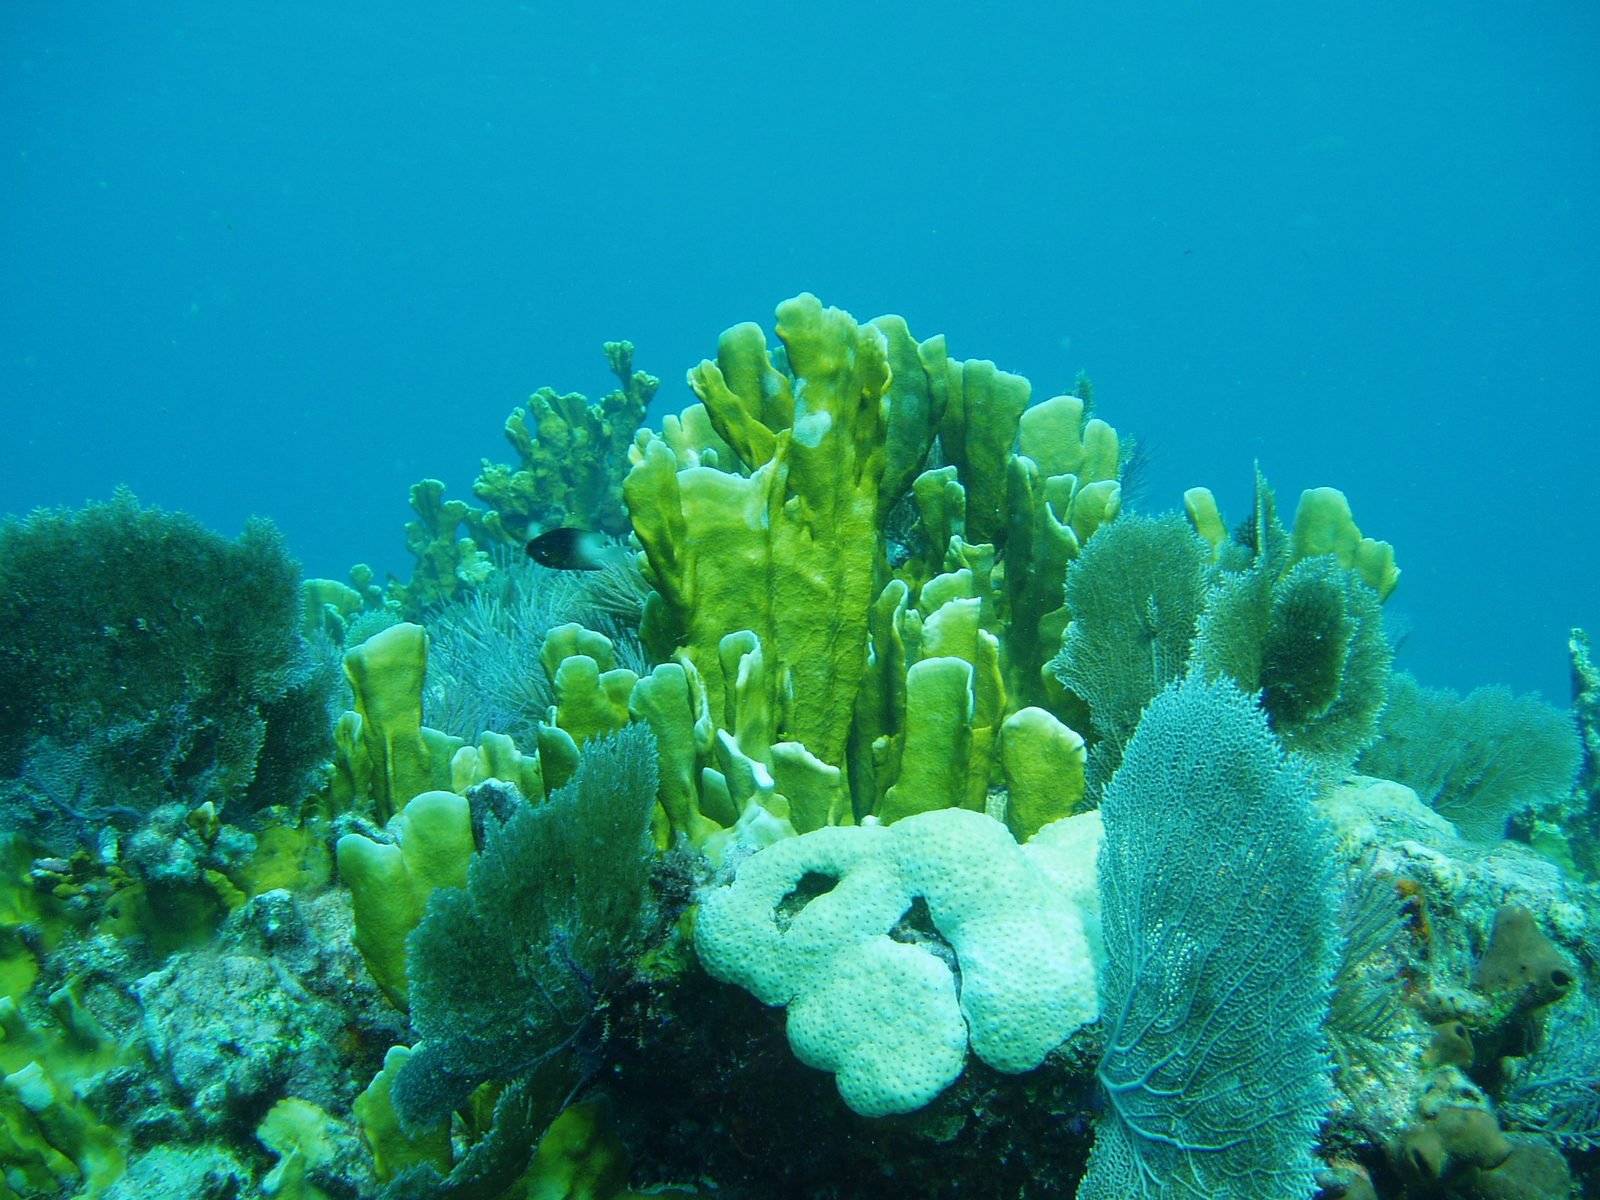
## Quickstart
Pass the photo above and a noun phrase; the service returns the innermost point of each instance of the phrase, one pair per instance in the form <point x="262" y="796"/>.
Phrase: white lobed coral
<point x="826" y="925"/>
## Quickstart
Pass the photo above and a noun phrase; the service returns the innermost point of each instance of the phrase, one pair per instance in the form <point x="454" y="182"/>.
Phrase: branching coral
<point x="450" y="562"/>
<point x="789" y="550"/>
<point x="821" y="500"/>
<point x="572" y="455"/>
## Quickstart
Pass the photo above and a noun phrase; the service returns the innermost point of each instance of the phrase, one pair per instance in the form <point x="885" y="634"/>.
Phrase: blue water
<point x="288" y="258"/>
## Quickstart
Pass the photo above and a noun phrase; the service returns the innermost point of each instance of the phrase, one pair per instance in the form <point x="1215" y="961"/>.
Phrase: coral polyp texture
<point x="882" y="812"/>
<point x="889" y="1016"/>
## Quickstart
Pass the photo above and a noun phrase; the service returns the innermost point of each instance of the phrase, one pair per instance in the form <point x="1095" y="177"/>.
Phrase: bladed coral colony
<point x="886" y="814"/>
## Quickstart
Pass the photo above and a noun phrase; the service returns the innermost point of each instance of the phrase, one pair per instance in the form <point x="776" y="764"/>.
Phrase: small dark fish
<point x="567" y="548"/>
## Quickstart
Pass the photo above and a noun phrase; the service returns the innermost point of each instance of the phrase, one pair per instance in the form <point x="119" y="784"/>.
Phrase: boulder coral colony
<point x="891" y="814"/>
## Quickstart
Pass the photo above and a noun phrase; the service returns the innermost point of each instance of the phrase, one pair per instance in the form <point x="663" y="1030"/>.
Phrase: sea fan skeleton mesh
<point x="1220" y="930"/>
<point x="1557" y="1091"/>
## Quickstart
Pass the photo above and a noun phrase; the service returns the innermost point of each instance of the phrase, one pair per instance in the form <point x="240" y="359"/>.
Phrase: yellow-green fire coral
<point x="49" y="1137"/>
<point x="447" y="564"/>
<point x="887" y="529"/>
<point x="571" y="455"/>
<point x="788" y="550"/>
<point x="414" y="778"/>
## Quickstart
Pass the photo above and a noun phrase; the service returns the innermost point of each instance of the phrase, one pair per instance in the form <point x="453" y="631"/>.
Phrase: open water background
<point x="288" y="258"/>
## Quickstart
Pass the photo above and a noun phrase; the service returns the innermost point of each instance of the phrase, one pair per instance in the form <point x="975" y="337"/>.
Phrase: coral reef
<point x="892" y="817"/>
<point x="258" y="1017"/>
